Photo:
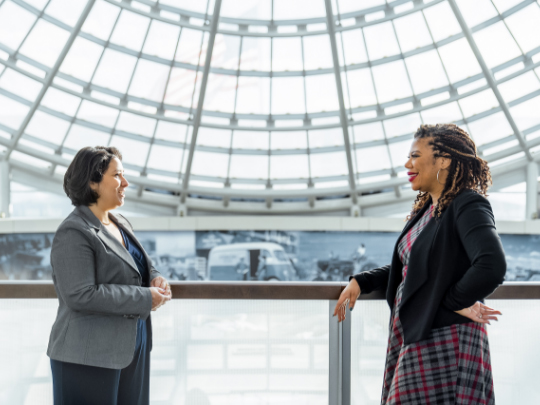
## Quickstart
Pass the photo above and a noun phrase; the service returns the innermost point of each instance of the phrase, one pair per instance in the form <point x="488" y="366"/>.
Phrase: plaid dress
<point x="452" y="366"/>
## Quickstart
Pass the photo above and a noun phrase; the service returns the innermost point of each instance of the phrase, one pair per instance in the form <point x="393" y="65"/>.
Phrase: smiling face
<point x="112" y="187"/>
<point x="423" y="167"/>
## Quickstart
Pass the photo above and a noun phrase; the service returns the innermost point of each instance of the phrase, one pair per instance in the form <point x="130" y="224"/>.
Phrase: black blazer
<point x="456" y="260"/>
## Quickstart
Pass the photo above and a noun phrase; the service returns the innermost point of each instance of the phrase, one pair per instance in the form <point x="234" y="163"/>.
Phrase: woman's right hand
<point x="159" y="297"/>
<point x="348" y="296"/>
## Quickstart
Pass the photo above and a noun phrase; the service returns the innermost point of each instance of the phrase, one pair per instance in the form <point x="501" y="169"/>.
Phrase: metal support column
<point x="50" y="77"/>
<point x="489" y="78"/>
<point x="330" y="24"/>
<point x="531" y="210"/>
<point x="5" y="190"/>
<point x="339" y="362"/>
<point x="202" y="92"/>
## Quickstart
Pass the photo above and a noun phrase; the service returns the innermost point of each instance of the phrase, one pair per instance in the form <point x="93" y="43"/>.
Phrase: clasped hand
<point x="480" y="313"/>
<point x="161" y="292"/>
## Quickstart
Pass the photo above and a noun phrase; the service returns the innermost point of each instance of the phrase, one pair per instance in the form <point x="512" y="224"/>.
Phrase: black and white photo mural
<point x="256" y="255"/>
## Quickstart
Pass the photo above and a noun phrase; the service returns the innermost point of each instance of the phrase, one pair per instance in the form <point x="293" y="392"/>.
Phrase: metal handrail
<point x="256" y="290"/>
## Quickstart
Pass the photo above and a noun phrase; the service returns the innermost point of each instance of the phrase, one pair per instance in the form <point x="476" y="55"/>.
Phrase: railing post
<point x="339" y="361"/>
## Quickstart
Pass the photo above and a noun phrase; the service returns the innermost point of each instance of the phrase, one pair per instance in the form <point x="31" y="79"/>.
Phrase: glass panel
<point x="189" y="47"/>
<point x="210" y="164"/>
<point x="12" y="113"/>
<point x="288" y="166"/>
<point x="67" y="11"/>
<point x="80" y="136"/>
<point x="407" y="124"/>
<point x="221" y="93"/>
<point x="250" y="140"/>
<point x="329" y="164"/>
<point x="133" y="152"/>
<point x="368" y="132"/>
<point x="524" y="27"/>
<point x="353" y="45"/>
<point x="39" y="4"/>
<point x="97" y="113"/>
<point x="289" y="140"/>
<point x="256" y="54"/>
<point x="526" y="114"/>
<point x="503" y="5"/>
<point x="170" y="131"/>
<point x="399" y="152"/>
<point x="477" y="11"/>
<point x="252" y="9"/>
<point x="101" y="19"/>
<point x="288" y="95"/>
<point x="165" y="158"/>
<point x="130" y="30"/>
<point x="360" y="85"/>
<point x="444" y="114"/>
<point x="326" y="137"/>
<point x="321" y="93"/>
<point x="490" y="128"/>
<point x="287" y="54"/>
<point x="136" y="124"/>
<point x="505" y="50"/>
<point x="426" y="72"/>
<point x="226" y="51"/>
<point x="47" y="127"/>
<point x="251" y="167"/>
<point x="114" y="71"/>
<point x="15" y="22"/>
<point x="82" y="59"/>
<point x="371" y="159"/>
<point x="381" y="41"/>
<point x="60" y="101"/>
<point x="20" y="84"/>
<point x="459" y="60"/>
<point x="149" y="80"/>
<point x="317" y="52"/>
<point x="519" y="86"/>
<point x="441" y="20"/>
<point x="412" y="32"/>
<point x="161" y="40"/>
<point x="346" y="6"/>
<point x="180" y="88"/>
<point x="299" y="9"/>
<point x="479" y="102"/>
<point x="391" y="81"/>
<point x="253" y="95"/>
<point x="45" y="43"/>
<point x="214" y="137"/>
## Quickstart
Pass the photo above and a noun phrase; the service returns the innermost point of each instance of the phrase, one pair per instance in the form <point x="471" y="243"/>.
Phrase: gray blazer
<point x="99" y="293"/>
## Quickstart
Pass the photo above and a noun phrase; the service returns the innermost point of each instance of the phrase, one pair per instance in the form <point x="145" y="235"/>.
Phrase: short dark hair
<point x="88" y="166"/>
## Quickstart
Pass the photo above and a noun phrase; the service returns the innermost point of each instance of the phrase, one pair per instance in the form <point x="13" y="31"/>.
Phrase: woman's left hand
<point x="480" y="313"/>
<point x="160" y="282"/>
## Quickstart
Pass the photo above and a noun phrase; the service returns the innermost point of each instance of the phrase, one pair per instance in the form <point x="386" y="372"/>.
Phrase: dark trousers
<point x="77" y="384"/>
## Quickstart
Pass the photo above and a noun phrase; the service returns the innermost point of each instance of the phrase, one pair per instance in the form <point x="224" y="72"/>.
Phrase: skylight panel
<point x="505" y="49"/>
<point x="181" y="86"/>
<point x="250" y="140"/>
<point x="490" y="128"/>
<point x="503" y="5"/>
<point x="161" y="40"/>
<point x="255" y="9"/>
<point x="524" y="25"/>
<point x="149" y="80"/>
<point x="249" y="166"/>
<point x="15" y="22"/>
<point x="412" y="32"/>
<point x="519" y="86"/>
<point x="372" y="159"/>
<point x="39" y="4"/>
<point x="368" y="132"/>
<point x="136" y="124"/>
<point x="329" y="164"/>
<point x="317" y="52"/>
<point x="190" y="45"/>
<point x="47" y="127"/>
<point x="226" y="51"/>
<point x="298" y="9"/>
<point x="288" y="140"/>
<point x="253" y="95"/>
<point x="478" y="103"/>
<point x="391" y="81"/>
<point x="426" y="72"/>
<point x="443" y="114"/>
<point x="477" y="11"/>
<point x="45" y="43"/>
<point x="289" y="166"/>
<point x="61" y="101"/>
<point x="130" y="30"/>
<point x="459" y="60"/>
<point x="200" y="6"/>
<point x="114" y="70"/>
<point x="287" y="54"/>
<point x="441" y="20"/>
<point x="101" y="19"/>
<point x="170" y="131"/>
<point x="399" y="152"/>
<point x="210" y="164"/>
<point x="408" y="124"/>
<point x="526" y="114"/>
<point x="321" y="138"/>
<point x="80" y="136"/>
<point x="165" y="158"/>
<point x="353" y="47"/>
<point x="360" y="87"/>
<point x="133" y="152"/>
<point x="20" y="84"/>
<point x="321" y="93"/>
<point x="220" y="138"/>
<point x="12" y="113"/>
<point x="221" y="93"/>
<point x="288" y="95"/>
<point x="346" y="6"/>
<point x="381" y="41"/>
<point x="256" y="54"/>
<point x="97" y="113"/>
<point x="67" y="11"/>
<point x="82" y="59"/>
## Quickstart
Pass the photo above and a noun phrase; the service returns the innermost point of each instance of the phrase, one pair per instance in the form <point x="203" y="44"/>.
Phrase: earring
<point x="438" y="177"/>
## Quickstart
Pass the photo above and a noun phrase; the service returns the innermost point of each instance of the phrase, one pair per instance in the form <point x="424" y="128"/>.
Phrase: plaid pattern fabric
<point x="451" y="367"/>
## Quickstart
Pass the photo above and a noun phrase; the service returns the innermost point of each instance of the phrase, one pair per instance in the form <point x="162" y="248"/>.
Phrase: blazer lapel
<point x="121" y="223"/>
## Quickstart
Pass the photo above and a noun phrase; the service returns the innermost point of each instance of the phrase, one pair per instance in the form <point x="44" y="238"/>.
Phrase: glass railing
<point x="263" y="343"/>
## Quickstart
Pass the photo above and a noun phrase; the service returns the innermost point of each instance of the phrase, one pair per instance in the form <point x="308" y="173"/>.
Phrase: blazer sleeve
<point x="475" y="226"/>
<point x="376" y="279"/>
<point x="72" y="258"/>
<point x="153" y="272"/>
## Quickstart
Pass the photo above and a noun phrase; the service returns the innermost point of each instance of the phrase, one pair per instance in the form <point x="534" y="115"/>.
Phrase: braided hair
<point x="466" y="171"/>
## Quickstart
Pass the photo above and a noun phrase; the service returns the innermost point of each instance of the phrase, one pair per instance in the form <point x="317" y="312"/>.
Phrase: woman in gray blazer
<point x="106" y="285"/>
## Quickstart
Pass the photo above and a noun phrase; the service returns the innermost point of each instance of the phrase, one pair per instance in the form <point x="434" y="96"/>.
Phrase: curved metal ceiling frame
<point x="396" y="182"/>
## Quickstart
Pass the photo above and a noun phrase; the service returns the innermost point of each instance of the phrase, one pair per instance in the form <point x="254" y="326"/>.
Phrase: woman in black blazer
<point x="447" y="259"/>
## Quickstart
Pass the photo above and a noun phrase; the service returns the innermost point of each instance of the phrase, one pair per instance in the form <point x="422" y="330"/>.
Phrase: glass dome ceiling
<point x="265" y="105"/>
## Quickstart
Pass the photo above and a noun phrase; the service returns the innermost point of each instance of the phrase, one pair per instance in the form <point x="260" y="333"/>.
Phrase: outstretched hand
<point x="480" y="313"/>
<point x="348" y="297"/>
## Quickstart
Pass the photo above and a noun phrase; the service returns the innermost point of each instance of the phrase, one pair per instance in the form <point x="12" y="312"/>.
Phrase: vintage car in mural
<point x="250" y="261"/>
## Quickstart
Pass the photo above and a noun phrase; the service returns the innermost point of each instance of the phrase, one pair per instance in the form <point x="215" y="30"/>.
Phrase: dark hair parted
<point x="88" y="166"/>
<point x="466" y="171"/>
